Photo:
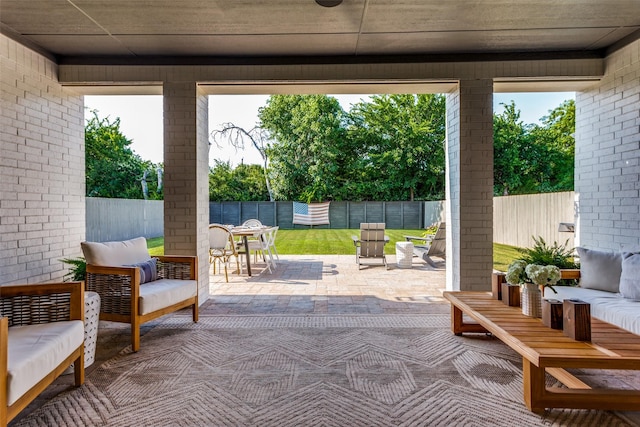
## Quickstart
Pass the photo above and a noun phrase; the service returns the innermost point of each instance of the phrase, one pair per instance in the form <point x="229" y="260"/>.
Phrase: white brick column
<point x="186" y="182"/>
<point x="469" y="186"/>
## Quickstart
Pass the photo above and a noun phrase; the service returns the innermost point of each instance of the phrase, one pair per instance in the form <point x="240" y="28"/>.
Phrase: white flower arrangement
<point x="519" y="272"/>
<point x="516" y="272"/>
<point x="543" y="275"/>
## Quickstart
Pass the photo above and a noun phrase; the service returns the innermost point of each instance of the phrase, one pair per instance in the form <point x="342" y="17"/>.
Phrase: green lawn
<point x="338" y="242"/>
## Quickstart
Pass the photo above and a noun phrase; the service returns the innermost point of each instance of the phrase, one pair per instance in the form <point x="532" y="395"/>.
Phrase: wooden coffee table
<point x="548" y="350"/>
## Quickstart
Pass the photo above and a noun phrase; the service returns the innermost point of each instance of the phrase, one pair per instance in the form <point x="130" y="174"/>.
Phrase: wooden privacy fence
<point x="396" y="215"/>
<point x="122" y="219"/>
<point x="515" y="218"/>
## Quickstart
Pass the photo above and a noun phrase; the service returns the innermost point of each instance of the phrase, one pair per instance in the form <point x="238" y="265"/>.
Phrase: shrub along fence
<point x="516" y="218"/>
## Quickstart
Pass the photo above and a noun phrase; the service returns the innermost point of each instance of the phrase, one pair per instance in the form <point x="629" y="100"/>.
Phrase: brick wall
<point x="608" y="155"/>
<point x="41" y="168"/>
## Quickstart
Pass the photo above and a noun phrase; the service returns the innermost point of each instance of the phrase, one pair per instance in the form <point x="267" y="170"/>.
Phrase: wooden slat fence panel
<point x="517" y="218"/>
<point x="339" y="214"/>
<point x="122" y="219"/>
<point x="434" y="212"/>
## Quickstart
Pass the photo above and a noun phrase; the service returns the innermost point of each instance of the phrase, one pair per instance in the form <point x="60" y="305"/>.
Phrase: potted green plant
<point x="557" y="254"/>
<point x="540" y="266"/>
<point x="77" y="270"/>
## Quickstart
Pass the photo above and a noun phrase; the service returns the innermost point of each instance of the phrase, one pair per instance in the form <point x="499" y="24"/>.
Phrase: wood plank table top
<point x="548" y="350"/>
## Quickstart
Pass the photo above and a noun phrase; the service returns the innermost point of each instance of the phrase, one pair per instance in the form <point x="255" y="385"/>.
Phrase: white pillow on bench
<point x="600" y="270"/>
<point x="630" y="277"/>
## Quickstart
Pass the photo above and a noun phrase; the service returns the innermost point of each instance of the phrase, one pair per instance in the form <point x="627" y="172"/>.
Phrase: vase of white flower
<point x="533" y="279"/>
<point x="531" y="300"/>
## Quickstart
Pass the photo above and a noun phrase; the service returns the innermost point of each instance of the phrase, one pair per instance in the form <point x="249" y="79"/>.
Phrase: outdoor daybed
<point x="610" y="283"/>
<point x="42" y="334"/>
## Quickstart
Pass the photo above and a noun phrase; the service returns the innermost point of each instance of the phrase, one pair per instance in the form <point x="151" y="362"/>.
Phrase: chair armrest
<point x="42" y="302"/>
<point x="178" y="267"/>
<point x="424" y="239"/>
<point x="386" y="239"/>
<point x="355" y="239"/>
<point x="125" y="278"/>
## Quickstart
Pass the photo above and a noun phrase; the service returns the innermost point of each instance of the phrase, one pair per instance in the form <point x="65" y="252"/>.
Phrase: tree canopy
<point x="400" y="143"/>
<point x="311" y="156"/>
<point x="243" y="183"/>
<point x="532" y="158"/>
<point x="113" y="170"/>
<point x="391" y="148"/>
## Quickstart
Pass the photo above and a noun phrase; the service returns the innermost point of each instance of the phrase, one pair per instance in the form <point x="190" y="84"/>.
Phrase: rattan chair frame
<point x="225" y="253"/>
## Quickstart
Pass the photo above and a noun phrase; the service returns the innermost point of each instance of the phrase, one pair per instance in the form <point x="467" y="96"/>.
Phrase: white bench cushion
<point x="165" y="292"/>
<point x="36" y="350"/>
<point x="608" y="306"/>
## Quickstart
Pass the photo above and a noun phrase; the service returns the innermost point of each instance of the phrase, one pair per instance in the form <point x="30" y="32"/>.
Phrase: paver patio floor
<point x="328" y="284"/>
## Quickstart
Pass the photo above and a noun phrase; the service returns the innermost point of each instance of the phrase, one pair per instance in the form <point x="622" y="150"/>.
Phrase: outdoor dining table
<point x="245" y="233"/>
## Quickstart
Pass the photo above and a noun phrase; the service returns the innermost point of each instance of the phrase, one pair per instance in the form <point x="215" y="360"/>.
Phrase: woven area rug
<point x="349" y="370"/>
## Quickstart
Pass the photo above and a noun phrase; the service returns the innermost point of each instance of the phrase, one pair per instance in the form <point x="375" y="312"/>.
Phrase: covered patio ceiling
<point x="194" y="31"/>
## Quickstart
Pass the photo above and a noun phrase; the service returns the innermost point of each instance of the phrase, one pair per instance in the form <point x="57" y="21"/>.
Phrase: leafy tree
<point x="112" y="168"/>
<point x="311" y="157"/>
<point x="400" y="141"/>
<point x="259" y="138"/>
<point x="244" y="183"/>
<point x="533" y="158"/>
<point x="557" y="135"/>
<point x="510" y="163"/>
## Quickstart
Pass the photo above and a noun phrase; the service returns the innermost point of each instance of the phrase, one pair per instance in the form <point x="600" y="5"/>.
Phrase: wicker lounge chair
<point x="41" y="335"/>
<point x="135" y="288"/>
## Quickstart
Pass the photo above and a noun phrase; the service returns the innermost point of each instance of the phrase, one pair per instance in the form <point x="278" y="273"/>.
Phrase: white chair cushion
<point x="165" y="292"/>
<point x="608" y="306"/>
<point x="36" y="350"/>
<point x="116" y="254"/>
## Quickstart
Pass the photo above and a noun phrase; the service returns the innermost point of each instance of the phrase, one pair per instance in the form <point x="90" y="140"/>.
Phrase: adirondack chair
<point x="371" y="243"/>
<point x="430" y="245"/>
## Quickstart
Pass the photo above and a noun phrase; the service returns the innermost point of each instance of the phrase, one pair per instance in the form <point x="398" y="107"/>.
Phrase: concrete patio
<point x="328" y="284"/>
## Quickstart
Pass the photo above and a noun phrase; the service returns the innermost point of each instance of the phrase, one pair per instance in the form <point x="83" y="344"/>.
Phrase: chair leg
<point x="271" y="257"/>
<point x="194" y="311"/>
<point x="429" y="261"/>
<point x="78" y="370"/>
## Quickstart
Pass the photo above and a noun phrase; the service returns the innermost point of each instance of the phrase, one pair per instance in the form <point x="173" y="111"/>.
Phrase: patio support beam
<point x="186" y="182"/>
<point x="469" y="185"/>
